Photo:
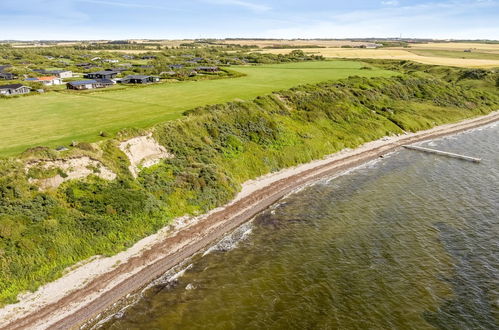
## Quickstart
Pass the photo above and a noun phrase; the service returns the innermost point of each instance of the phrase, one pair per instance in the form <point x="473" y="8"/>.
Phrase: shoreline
<point x="97" y="284"/>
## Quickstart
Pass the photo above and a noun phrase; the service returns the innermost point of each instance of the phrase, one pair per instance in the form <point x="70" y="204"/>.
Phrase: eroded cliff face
<point x="143" y="152"/>
<point x="68" y="169"/>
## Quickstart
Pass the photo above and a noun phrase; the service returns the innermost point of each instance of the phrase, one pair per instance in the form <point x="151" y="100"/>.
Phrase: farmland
<point x="482" y="55"/>
<point x="456" y="54"/>
<point x="58" y="118"/>
<point x="458" y="46"/>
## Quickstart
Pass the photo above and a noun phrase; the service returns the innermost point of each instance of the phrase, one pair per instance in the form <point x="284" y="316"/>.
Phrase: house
<point x="128" y="57"/>
<point x="176" y="66"/>
<point x="95" y="59"/>
<point x="89" y="84"/>
<point x="208" y="69"/>
<point x="58" y="73"/>
<point x="14" y="89"/>
<point x="63" y="74"/>
<point x="3" y="67"/>
<point x="47" y="81"/>
<point x="119" y="70"/>
<point x="101" y="75"/>
<point x="139" y="79"/>
<point x="110" y="61"/>
<point x="7" y="76"/>
<point x="149" y="57"/>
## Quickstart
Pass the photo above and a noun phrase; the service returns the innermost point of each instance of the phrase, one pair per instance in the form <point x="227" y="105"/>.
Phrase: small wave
<point x="232" y="240"/>
<point x="170" y="276"/>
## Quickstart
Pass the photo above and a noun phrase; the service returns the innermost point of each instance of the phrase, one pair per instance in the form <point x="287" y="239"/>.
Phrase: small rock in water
<point x="190" y="287"/>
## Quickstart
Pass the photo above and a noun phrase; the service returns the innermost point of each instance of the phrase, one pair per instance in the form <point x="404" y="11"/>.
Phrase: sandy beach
<point x="93" y="286"/>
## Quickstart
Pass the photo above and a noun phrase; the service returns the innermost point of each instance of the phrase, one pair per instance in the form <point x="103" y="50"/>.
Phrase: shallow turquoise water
<point x="409" y="241"/>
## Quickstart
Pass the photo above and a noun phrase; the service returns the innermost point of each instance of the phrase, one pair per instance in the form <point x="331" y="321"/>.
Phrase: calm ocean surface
<point x="410" y="241"/>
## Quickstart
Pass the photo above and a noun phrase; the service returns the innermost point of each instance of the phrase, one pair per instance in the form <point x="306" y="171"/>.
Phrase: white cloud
<point x="390" y="3"/>
<point x="240" y="3"/>
<point x="448" y="19"/>
<point x="121" y="4"/>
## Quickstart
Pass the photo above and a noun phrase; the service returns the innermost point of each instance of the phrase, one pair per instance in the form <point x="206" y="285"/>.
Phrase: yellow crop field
<point x="458" y="46"/>
<point x="393" y="54"/>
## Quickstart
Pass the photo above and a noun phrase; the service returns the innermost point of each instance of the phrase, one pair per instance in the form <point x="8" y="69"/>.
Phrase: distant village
<point x="99" y="79"/>
<point x="38" y="70"/>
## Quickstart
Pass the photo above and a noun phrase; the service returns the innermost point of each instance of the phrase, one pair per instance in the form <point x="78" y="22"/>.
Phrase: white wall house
<point x="47" y="81"/>
<point x="63" y="74"/>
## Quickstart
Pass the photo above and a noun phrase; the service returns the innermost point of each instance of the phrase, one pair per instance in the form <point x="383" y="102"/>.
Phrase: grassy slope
<point x="216" y="149"/>
<point x="58" y="118"/>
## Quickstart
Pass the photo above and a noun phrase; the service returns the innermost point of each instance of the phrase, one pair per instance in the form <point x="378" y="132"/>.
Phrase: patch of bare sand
<point x="71" y="169"/>
<point x="143" y="152"/>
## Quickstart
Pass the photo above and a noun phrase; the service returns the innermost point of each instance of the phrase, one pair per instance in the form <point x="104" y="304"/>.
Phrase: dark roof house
<point x="101" y="75"/>
<point x="7" y="76"/>
<point x="118" y="69"/>
<point x="139" y="79"/>
<point x="89" y="84"/>
<point x="14" y="89"/>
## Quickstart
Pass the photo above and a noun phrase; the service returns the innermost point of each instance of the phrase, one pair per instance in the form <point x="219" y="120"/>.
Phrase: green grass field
<point x="58" y="118"/>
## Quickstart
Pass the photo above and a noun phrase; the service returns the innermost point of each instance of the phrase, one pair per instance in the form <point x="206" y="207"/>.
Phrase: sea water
<point x="410" y="241"/>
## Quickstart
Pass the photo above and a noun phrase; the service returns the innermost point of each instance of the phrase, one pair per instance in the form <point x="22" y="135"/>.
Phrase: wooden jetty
<point x="443" y="153"/>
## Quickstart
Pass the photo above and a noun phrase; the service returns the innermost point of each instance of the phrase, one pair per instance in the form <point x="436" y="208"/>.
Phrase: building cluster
<point x="92" y="80"/>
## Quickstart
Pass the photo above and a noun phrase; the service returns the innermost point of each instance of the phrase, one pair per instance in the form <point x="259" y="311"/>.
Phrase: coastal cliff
<point x="58" y="208"/>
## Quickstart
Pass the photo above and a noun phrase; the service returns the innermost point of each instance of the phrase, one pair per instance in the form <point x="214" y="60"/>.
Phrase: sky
<point x="190" y="19"/>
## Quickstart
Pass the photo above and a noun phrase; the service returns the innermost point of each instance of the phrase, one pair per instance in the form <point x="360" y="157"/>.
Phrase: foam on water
<point x="232" y="240"/>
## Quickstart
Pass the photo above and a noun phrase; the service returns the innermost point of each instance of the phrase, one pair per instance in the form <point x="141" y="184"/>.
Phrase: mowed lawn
<point x="54" y="119"/>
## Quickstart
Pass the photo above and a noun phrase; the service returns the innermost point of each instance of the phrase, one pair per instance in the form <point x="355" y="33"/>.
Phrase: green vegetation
<point x="82" y="59"/>
<point x="216" y="148"/>
<point x="54" y="119"/>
